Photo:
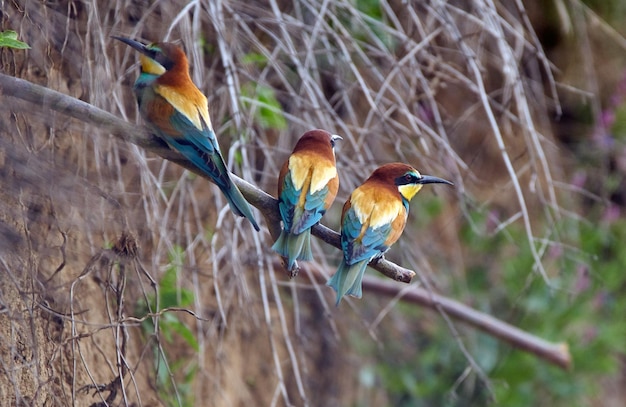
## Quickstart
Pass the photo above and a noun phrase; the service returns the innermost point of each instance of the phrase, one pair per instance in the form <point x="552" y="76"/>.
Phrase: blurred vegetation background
<point x="127" y="281"/>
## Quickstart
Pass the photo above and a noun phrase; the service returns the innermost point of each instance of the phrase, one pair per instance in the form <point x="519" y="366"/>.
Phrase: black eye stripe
<point x="406" y="179"/>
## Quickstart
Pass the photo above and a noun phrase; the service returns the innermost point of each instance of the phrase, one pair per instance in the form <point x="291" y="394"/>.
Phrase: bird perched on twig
<point x="307" y="186"/>
<point x="373" y="218"/>
<point x="178" y="113"/>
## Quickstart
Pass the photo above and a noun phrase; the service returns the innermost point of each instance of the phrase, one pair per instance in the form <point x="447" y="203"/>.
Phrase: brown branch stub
<point x="126" y="246"/>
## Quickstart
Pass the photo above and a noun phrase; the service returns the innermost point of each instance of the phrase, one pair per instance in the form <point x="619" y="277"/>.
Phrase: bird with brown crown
<point x="373" y="218"/>
<point x="178" y="113"/>
<point x="307" y="186"/>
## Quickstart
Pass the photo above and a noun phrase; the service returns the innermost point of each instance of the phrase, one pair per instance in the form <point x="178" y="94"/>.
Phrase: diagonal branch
<point x="557" y="354"/>
<point x="268" y="205"/>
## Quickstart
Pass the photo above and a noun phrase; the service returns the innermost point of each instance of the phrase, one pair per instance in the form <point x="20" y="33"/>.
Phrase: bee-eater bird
<point x="178" y="112"/>
<point x="307" y="186"/>
<point x="373" y="218"/>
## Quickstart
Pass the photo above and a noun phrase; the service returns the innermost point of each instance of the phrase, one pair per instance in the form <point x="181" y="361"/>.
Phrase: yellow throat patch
<point x="150" y="66"/>
<point x="409" y="191"/>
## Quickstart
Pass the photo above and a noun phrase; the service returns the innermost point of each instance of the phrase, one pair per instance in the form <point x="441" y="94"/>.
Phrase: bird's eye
<point x="164" y="60"/>
<point x="409" y="177"/>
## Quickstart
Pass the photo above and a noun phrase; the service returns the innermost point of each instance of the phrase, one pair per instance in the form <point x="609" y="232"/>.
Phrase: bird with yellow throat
<point x="178" y="112"/>
<point x="373" y="218"/>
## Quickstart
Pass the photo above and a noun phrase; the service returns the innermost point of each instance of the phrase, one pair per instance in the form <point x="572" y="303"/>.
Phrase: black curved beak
<point x="428" y="179"/>
<point x="133" y="44"/>
<point x="334" y="138"/>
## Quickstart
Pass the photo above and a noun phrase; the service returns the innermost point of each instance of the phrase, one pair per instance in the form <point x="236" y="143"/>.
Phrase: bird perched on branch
<point x="178" y="112"/>
<point x="373" y="218"/>
<point x="307" y="186"/>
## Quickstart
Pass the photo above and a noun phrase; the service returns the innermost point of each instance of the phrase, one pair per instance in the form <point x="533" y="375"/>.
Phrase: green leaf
<point x="9" y="39"/>
<point x="254" y="58"/>
<point x="268" y="111"/>
<point x="187" y="334"/>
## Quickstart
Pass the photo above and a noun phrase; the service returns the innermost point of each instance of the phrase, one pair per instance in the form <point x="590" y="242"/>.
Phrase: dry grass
<point x="460" y="90"/>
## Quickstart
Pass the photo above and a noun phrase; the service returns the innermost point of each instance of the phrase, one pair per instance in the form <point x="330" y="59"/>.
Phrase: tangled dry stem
<point x="346" y="62"/>
<point x="267" y="205"/>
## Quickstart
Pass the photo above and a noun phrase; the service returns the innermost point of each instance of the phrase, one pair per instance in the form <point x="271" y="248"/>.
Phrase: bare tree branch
<point x="268" y="205"/>
<point x="557" y="354"/>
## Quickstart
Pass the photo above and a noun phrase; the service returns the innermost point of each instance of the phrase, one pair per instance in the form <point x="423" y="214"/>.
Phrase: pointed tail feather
<point x="281" y="246"/>
<point x="238" y="203"/>
<point x="202" y="150"/>
<point x="306" y="254"/>
<point x="347" y="280"/>
<point x="294" y="247"/>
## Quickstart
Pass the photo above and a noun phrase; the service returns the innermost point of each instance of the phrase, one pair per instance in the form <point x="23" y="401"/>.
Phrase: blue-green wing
<point x="296" y="220"/>
<point x="200" y="147"/>
<point x="370" y="245"/>
<point x="287" y="201"/>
